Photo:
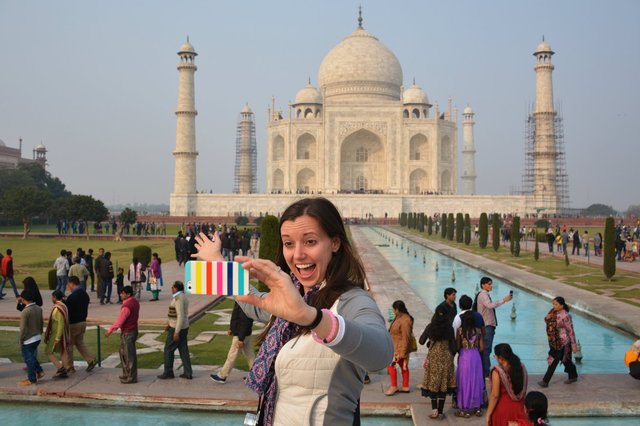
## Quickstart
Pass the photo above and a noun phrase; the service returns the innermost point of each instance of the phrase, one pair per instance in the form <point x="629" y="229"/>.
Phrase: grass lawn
<point x="211" y="353"/>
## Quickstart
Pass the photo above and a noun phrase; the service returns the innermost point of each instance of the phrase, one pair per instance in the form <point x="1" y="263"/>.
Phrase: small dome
<point x="40" y="147"/>
<point x="187" y="48"/>
<point x="468" y="110"/>
<point x="543" y="47"/>
<point x="360" y="61"/>
<point x="246" y="109"/>
<point x="308" y="95"/>
<point x="414" y="95"/>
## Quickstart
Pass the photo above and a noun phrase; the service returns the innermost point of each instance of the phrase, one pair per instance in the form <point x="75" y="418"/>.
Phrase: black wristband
<point x="316" y="321"/>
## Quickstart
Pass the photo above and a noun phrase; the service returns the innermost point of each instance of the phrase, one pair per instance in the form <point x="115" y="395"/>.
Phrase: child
<point x="120" y="283"/>
<point x="535" y="404"/>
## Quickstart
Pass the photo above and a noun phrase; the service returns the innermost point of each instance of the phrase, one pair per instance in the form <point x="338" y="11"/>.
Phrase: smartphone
<point x="216" y="278"/>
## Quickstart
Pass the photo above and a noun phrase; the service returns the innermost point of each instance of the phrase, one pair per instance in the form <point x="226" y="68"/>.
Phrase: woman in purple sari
<point x="469" y="375"/>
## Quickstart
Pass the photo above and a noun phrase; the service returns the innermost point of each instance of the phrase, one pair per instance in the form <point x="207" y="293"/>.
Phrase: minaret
<point x="185" y="152"/>
<point x="545" y="151"/>
<point x="246" y="153"/>
<point x="468" y="153"/>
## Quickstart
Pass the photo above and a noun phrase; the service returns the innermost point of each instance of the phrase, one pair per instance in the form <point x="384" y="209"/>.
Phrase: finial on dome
<point x="187" y="38"/>
<point x="414" y="81"/>
<point x="542" y="37"/>
<point x="360" y="16"/>
<point x="309" y="82"/>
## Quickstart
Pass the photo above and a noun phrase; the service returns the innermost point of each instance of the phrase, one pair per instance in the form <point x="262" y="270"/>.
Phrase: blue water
<point x="18" y="413"/>
<point x="603" y="348"/>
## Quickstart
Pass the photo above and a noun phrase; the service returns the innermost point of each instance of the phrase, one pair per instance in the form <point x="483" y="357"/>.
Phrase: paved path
<point x="591" y="395"/>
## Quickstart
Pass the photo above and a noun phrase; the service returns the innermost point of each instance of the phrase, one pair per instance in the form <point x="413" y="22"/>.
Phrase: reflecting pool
<point x="429" y="273"/>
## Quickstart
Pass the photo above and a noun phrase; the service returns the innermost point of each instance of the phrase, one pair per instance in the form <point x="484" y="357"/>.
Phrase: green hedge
<point x="483" y="230"/>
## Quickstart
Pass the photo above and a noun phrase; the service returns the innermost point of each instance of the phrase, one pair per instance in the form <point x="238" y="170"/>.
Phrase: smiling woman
<point x="324" y="332"/>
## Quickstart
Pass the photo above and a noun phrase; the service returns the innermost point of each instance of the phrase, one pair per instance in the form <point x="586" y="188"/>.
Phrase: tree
<point x="566" y="258"/>
<point x="403" y="219"/>
<point x="459" y="227"/>
<point x="467" y="229"/>
<point x="269" y="237"/>
<point x="450" y="226"/>
<point x="429" y="225"/>
<point x="483" y="229"/>
<point x="23" y="203"/>
<point x="609" y="255"/>
<point x="515" y="236"/>
<point x="495" y="229"/>
<point x="443" y="225"/>
<point x="84" y="208"/>
<point x="127" y="217"/>
<point x="536" y="251"/>
<point x="633" y="210"/>
<point x="599" y="210"/>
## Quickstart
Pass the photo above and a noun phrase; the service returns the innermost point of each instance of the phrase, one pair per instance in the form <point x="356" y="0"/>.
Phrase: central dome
<point x="360" y="64"/>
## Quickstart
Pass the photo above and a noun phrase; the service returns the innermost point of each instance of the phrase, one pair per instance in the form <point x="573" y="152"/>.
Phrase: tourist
<point x="585" y="243"/>
<point x="177" y="331"/>
<point x="487" y="308"/>
<point x="597" y="244"/>
<point x="469" y="376"/>
<point x="439" y="374"/>
<point x="98" y="268"/>
<point x="30" y="335"/>
<point x="57" y="336"/>
<point x="135" y="276"/>
<point x="577" y="244"/>
<point x="120" y="283"/>
<point x="78" y="306"/>
<point x="449" y="303"/>
<point x="88" y="263"/>
<point x="562" y="341"/>
<point x="30" y="284"/>
<point x="466" y="303"/>
<point x="508" y="388"/>
<point x="7" y="274"/>
<point x="240" y="328"/>
<point x="565" y="240"/>
<point x="106" y="279"/>
<point x="550" y="239"/>
<point x="127" y="322"/>
<point x="401" y="331"/>
<point x="536" y="406"/>
<point x="319" y="310"/>
<point x="80" y="271"/>
<point x="155" y="275"/>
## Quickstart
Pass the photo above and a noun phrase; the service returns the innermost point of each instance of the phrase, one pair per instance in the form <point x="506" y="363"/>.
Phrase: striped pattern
<point x="216" y="278"/>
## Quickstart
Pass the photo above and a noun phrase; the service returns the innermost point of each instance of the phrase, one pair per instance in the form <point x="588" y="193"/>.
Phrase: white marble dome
<point x="246" y="109"/>
<point x="187" y="48"/>
<point x="414" y="95"/>
<point x="40" y="147"/>
<point x="543" y="47"/>
<point x="468" y="110"/>
<point x="360" y="64"/>
<point x="308" y="95"/>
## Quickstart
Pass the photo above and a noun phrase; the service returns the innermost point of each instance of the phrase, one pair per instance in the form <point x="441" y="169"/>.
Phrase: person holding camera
<point x="487" y="309"/>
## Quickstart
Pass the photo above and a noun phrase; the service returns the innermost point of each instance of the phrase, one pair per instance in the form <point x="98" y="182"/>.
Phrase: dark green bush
<point x="429" y="225"/>
<point x="269" y="236"/>
<point x="467" y="229"/>
<point x="495" y="229"/>
<point x="483" y="229"/>
<point x="450" y="227"/>
<point x="403" y="219"/>
<point x="443" y="225"/>
<point x="609" y="249"/>
<point x="515" y="236"/>
<point x="52" y="279"/>
<point x="459" y="227"/>
<point x="242" y="220"/>
<point x="143" y="253"/>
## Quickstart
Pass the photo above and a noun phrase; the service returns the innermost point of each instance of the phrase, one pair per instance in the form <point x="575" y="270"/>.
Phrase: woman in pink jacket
<point x="562" y="341"/>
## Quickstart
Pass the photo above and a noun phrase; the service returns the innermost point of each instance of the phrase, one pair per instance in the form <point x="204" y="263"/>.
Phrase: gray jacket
<point x="30" y="322"/>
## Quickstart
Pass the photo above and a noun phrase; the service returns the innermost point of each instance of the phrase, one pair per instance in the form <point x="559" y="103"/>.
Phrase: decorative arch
<point x="415" y="113"/>
<point x="278" y="148"/>
<point x="418" y="182"/>
<point x="278" y="181"/>
<point x="418" y="147"/>
<point x="306" y="181"/>
<point x="308" y="113"/>
<point x="362" y="159"/>
<point x="306" y="147"/>
<point x="445" y="149"/>
<point x="445" y="182"/>
<point x="405" y="113"/>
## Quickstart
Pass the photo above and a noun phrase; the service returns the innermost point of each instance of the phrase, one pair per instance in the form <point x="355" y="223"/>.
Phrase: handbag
<point x="413" y="344"/>
<point x="152" y="280"/>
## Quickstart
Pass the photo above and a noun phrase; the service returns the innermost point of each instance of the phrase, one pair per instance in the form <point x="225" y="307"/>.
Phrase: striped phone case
<point x="216" y="278"/>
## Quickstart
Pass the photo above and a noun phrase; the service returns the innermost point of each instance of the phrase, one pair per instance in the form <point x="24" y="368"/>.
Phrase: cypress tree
<point x="566" y="258"/>
<point x="609" y="256"/>
<point x="459" y="227"/>
<point x="410" y="220"/>
<point x="467" y="229"/>
<point x="269" y="236"/>
<point x="536" y="251"/>
<point x="429" y="225"/>
<point x="495" y="228"/>
<point x="443" y="225"/>
<point x="421" y="221"/>
<point x="450" y="227"/>
<point x="483" y="230"/>
<point x="515" y="236"/>
<point x="403" y="219"/>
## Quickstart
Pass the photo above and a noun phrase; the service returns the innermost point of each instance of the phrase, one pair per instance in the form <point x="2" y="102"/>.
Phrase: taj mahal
<point x="374" y="147"/>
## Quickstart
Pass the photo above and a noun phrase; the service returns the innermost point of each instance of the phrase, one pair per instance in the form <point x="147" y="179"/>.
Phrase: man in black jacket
<point x="240" y="329"/>
<point x="78" y="305"/>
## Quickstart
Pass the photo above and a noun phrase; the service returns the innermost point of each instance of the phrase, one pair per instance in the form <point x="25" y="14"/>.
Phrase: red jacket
<point x="127" y="320"/>
<point x="7" y="266"/>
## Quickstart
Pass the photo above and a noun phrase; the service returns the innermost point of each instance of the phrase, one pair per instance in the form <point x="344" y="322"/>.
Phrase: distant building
<point x="11" y="157"/>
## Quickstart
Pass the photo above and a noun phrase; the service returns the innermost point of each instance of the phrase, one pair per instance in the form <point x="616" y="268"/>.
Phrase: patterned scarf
<point x="261" y="378"/>
<point x="553" y="335"/>
<point x="65" y="340"/>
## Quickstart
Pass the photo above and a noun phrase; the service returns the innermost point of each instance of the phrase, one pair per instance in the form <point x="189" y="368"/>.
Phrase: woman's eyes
<point x="289" y="244"/>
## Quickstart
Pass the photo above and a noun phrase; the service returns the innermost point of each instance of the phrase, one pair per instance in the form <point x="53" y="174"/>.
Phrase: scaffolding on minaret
<point x="246" y="154"/>
<point x="561" y="176"/>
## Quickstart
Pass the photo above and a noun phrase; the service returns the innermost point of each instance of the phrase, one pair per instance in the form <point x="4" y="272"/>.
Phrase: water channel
<point x="429" y="273"/>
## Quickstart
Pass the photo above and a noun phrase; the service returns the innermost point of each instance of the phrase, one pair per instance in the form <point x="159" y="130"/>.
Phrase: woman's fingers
<point x="251" y="299"/>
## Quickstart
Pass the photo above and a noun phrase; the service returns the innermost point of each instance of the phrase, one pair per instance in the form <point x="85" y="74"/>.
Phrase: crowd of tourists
<point x="234" y="242"/>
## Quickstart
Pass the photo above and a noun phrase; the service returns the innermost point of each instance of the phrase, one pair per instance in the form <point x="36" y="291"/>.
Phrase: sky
<point x="96" y="82"/>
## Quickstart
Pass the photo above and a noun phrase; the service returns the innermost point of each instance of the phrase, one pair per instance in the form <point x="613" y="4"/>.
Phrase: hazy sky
<point x="96" y="82"/>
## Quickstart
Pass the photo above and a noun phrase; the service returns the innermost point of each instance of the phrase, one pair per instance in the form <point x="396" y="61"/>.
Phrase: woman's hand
<point x="208" y="249"/>
<point x="284" y="300"/>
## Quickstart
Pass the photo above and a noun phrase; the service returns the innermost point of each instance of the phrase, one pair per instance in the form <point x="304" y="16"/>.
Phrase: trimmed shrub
<point x="467" y="229"/>
<point x="609" y="255"/>
<point x="542" y="223"/>
<point x="495" y="229"/>
<point x="536" y="251"/>
<point x="459" y="227"/>
<point x="566" y="258"/>
<point x="403" y="219"/>
<point x="429" y="225"/>
<point x="269" y="235"/>
<point x="242" y="220"/>
<point x="52" y="279"/>
<point x="483" y="230"/>
<point x="143" y="253"/>
<point x="443" y="225"/>
<point x="515" y="236"/>
<point x="450" y="227"/>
